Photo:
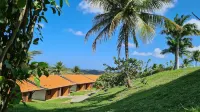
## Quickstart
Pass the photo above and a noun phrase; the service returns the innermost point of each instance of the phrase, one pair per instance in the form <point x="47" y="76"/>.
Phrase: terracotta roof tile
<point x="92" y="77"/>
<point x="53" y="81"/>
<point x="26" y="86"/>
<point x="78" y="79"/>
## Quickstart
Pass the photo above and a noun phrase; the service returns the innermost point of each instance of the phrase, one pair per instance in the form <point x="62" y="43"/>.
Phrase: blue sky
<point x="64" y="37"/>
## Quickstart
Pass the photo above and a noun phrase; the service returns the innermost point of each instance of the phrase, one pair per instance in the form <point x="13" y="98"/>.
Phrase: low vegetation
<point x="173" y="91"/>
<point x="79" y="93"/>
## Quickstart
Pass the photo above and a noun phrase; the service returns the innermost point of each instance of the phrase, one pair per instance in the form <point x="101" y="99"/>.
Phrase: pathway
<point x="76" y="99"/>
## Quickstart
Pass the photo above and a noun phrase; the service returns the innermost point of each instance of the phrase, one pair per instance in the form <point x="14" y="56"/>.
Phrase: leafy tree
<point x="196" y="56"/>
<point x="18" y="22"/>
<point x="109" y="80"/>
<point x="178" y="40"/>
<point x="132" y="17"/>
<point x="76" y="70"/>
<point x="58" y="68"/>
<point x="129" y="67"/>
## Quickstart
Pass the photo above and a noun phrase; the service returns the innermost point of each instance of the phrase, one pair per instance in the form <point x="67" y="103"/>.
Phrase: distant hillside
<point x="96" y="72"/>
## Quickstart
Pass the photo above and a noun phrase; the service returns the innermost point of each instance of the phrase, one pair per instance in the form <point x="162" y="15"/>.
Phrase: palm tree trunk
<point x="126" y="48"/>
<point x="176" y="66"/>
<point x="127" y="57"/>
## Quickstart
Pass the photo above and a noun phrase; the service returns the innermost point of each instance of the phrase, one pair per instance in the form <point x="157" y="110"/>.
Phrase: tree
<point x="76" y="70"/>
<point x="58" y="68"/>
<point x="31" y="54"/>
<point x="196" y="56"/>
<point x="132" y="17"/>
<point x="130" y="67"/>
<point x="178" y="40"/>
<point x="186" y="62"/>
<point x="184" y="44"/>
<point x="18" y="22"/>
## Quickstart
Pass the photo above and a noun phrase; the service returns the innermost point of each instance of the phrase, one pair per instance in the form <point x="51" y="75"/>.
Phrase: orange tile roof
<point x="53" y="81"/>
<point x="92" y="77"/>
<point x="78" y="79"/>
<point x="26" y="86"/>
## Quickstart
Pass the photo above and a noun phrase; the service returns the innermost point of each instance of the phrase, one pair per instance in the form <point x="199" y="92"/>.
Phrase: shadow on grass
<point x="178" y="95"/>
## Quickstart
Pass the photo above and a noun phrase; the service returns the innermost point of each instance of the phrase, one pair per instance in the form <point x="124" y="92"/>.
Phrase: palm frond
<point x="115" y="22"/>
<point x="154" y="5"/>
<point x="104" y="33"/>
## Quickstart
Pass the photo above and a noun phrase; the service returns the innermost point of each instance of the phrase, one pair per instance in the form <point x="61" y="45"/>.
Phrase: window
<point x="49" y="92"/>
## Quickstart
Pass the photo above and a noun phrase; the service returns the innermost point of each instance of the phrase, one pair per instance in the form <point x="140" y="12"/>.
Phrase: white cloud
<point x="165" y="8"/>
<point x="77" y="33"/>
<point x="156" y="53"/>
<point x="142" y="53"/>
<point x="194" y="48"/>
<point x="131" y="45"/>
<point x="89" y="8"/>
<point x="197" y="22"/>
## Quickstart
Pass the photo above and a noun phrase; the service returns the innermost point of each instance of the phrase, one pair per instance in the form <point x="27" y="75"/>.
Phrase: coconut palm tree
<point x="58" y="68"/>
<point x="131" y="17"/>
<point x="186" y="62"/>
<point x="196" y="56"/>
<point x="185" y="43"/>
<point x="178" y="39"/>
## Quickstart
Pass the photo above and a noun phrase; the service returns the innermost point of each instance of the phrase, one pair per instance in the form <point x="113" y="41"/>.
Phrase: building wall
<point x="53" y="93"/>
<point x="89" y="86"/>
<point x="39" y="95"/>
<point x="81" y="87"/>
<point x="65" y="91"/>
<point x="25" y="97"/>
<point x="73" y="88"/>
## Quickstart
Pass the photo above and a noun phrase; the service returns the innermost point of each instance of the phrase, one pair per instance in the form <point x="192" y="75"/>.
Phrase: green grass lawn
<point x="171" y="91"/>
<point x="79" y="93"/>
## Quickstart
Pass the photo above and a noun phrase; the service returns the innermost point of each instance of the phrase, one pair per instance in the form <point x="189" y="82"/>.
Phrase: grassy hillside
<point x="171" y="91"/>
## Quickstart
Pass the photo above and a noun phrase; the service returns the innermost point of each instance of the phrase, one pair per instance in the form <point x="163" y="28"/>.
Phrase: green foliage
<point x="132" y="18"/>
<point x="58" y="68"/>
<point x="178" y="40"/>
<point x="18" y="20"/>
<point x="121" y="74"/>
<point x="196" y="56"/>
<point x="110" y="80"/>
<point x="21" y="3"/>
<point x="76" y="70"/>
<point x="186" y="62"/>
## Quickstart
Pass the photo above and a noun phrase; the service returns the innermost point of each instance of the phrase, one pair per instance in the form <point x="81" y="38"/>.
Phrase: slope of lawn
<point x="171" y="91"/>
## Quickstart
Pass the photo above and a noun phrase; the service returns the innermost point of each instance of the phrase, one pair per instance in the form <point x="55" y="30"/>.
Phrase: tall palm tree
<point x="196" y="56"/>
<point x="131" y="17"/>
<point x="178" y="39"/>
<point x="186" y="62"/>
<point x="184" y="44"/>
<point x="58" y="68"/>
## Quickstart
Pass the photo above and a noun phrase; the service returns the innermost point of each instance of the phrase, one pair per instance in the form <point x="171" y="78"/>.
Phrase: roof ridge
<point x="88" y="78"/>
<point x="66" y="79"/>
<point x="36" y="84"/>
